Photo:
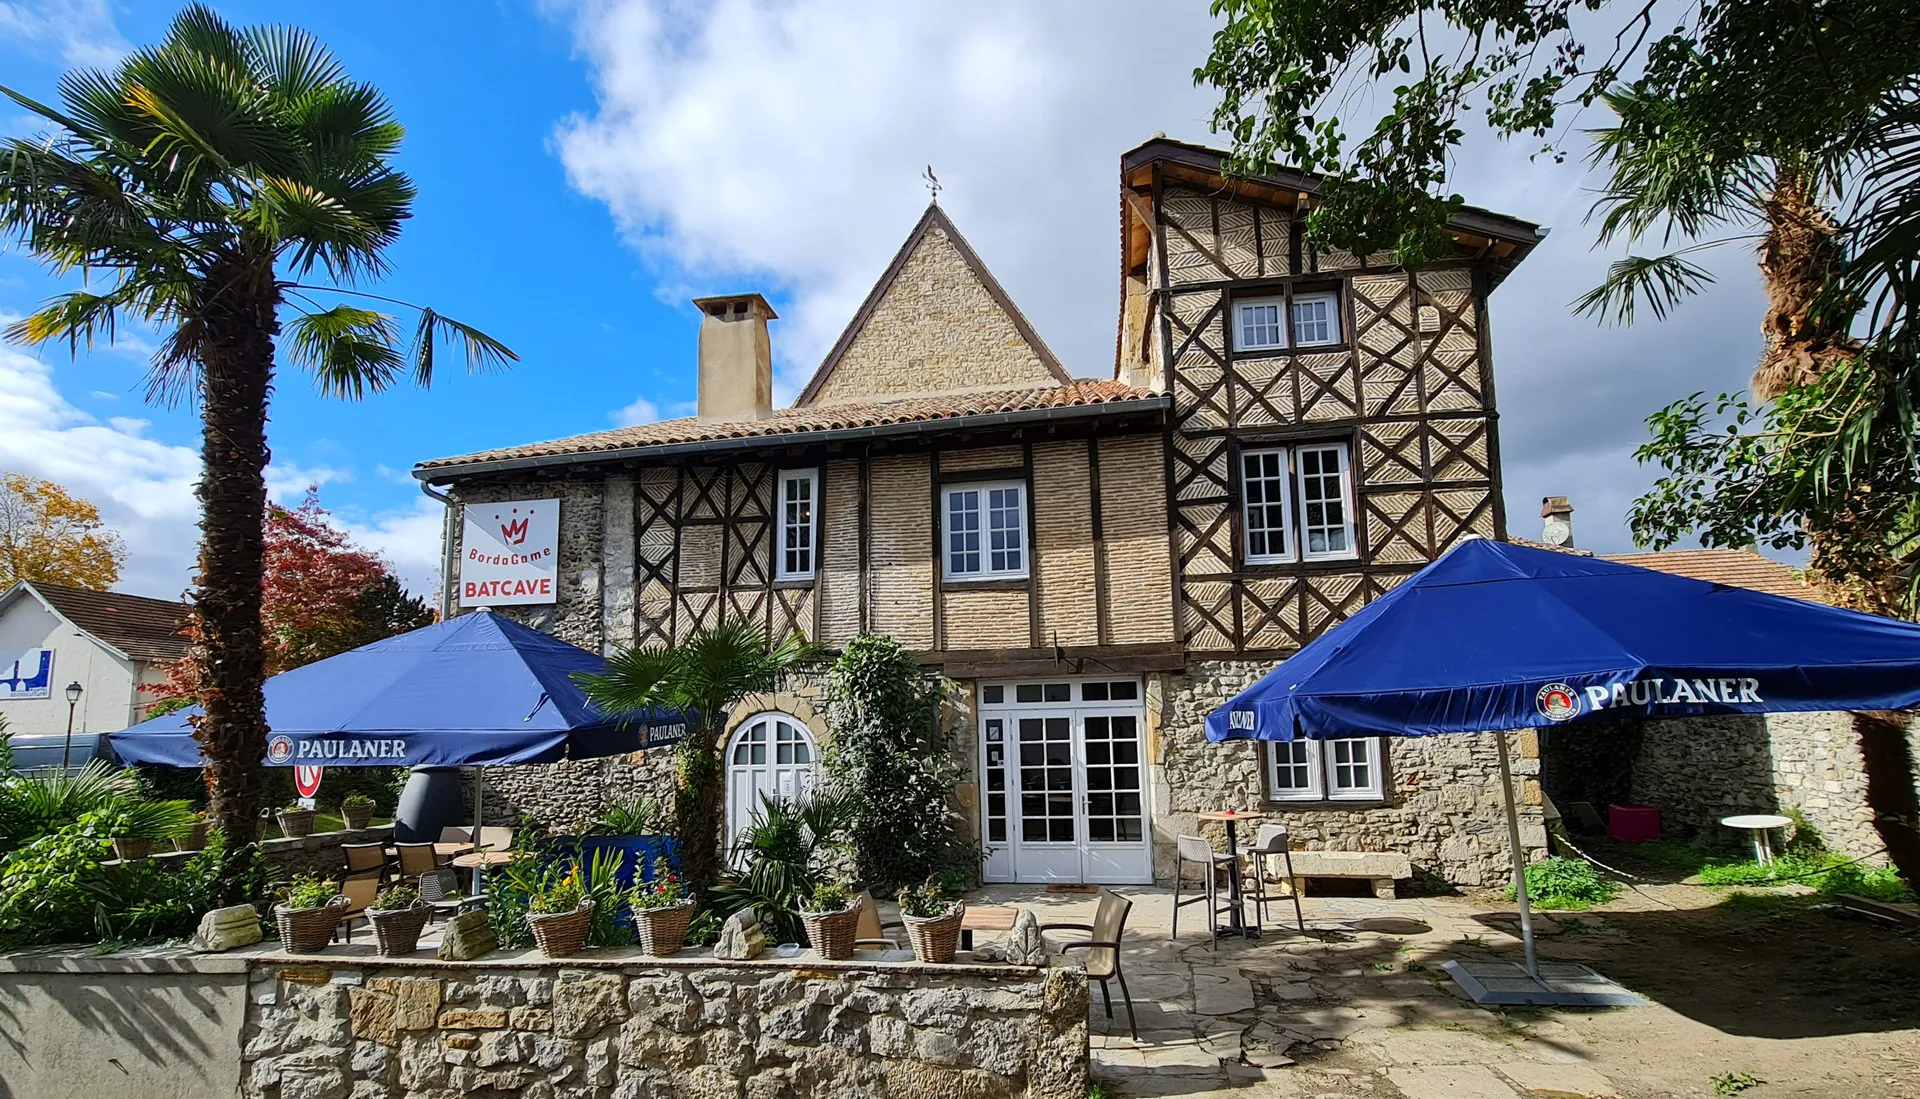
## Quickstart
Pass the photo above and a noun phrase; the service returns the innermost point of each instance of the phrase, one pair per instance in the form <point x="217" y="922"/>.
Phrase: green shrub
<point x="639" y="817"/>
<point x="1878" y="883"/>
<point x="514" y="889"/>
<point x="782" y="850"/>
<point x="43" y="896"/>
<point x="307" y="891"/>
<point x="828" y="896"/>
<point x="890" y="756"/>
<point x="55" y="889"/>
<point x="140" y="820"/>
<point x="356" y="801"/>
<point x="1567" y="884"/>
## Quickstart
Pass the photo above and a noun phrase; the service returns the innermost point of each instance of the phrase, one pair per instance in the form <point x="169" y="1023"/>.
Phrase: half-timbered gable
<point x="1332" y="424"/>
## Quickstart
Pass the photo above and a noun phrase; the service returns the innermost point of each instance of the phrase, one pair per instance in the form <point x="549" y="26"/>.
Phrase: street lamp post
<point x="73" y="700"/>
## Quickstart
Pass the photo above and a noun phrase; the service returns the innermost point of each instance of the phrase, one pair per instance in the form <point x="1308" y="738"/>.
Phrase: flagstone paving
<point x="1358" y="1006"/>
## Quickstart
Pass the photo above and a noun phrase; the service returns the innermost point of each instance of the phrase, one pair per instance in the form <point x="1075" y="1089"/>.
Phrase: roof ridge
<point x="934" y="216"/>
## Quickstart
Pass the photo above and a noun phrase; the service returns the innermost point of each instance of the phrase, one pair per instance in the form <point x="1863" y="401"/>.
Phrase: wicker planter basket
<point x="295" y="823"/>
<point x="195" y="839"/>
<point x="562" y="933"/>
<point x="832" y="933"/>
<point x="128" y="849"/>
<point x="662" y="931"/>
<point x="397" y="930"/>
<point x="356" y="816"/>
<point x="934" y="939"/>
<point x="309" y="930"/>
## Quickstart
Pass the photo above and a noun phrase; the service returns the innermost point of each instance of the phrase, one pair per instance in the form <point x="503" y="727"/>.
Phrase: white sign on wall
<point x="509" y="553"/>
<point x="26" y="674"/>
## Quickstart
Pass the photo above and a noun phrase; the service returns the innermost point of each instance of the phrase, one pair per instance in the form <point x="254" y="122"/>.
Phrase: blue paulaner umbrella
<point x="1494" y="636"/>
<point x="477" y="690"/>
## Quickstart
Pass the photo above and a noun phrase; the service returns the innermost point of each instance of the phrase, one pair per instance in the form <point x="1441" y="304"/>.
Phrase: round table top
<point x="484" y="858"/>
<point x="1231" y="814"/>
<point x="452" y="848"/>
<point x="1756" y="820"/>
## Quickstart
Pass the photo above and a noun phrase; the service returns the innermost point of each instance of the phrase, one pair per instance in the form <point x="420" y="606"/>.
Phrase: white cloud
<point x="745" y="145"/>
<point x="79" y="32"/>
<point x="103" y="395"/>
<point x="409" y="539"/>
<point x="641" y="411"/>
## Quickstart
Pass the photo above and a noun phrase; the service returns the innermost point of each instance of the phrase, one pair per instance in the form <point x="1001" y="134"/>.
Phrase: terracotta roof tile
<point x="827" y="417"/>
<point x="1736" y="568"/>
<point x="143" y="628"/>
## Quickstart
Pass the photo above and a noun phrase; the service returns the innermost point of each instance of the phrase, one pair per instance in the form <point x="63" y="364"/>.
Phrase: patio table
<point x="478" y="861"/>
<point x="1761" y="826"/>
<point x="986" y="917"/>
<point x="1236" y="919"/>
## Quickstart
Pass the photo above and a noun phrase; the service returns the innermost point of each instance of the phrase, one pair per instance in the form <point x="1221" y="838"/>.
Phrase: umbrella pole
<point x="480" y="793"/>
<point x="1519" y="857"/>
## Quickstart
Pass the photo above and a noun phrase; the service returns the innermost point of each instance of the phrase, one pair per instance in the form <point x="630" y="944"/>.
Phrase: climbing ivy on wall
<point x="890" y="756"/>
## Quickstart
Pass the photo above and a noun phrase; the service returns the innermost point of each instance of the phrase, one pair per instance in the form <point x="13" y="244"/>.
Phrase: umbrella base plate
<point x="1560" y="984"/>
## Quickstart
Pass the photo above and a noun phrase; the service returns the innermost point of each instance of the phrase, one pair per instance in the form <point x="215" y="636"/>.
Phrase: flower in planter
<point x="562" y="896"/>
<point x="665" y="891"/>
<point x="831" y="896"/>
<point x="395" y="898"/>
<point x="307" y="891"/>
<point x="927" y="901"/>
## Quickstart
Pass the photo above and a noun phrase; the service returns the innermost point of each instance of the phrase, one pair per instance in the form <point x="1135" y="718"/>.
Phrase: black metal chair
<point x="1103" y="949"/>
<point x="1195" y="849"/>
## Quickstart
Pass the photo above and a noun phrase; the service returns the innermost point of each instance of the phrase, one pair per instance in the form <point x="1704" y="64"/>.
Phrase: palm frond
<point x="478" y="349"/>
<point x="1663" y="281"/>
<point x="350" y="351"/>
<point x="634" y="681"/>
<point x="295" y="63"/>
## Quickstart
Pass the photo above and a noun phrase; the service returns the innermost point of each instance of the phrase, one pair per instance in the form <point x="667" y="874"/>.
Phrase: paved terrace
<point x="1359" y="1006"/>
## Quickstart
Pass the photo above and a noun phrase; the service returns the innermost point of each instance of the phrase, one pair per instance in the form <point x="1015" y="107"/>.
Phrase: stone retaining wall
<point x="345" y="1024"/>
<point x="1443" y="811"/>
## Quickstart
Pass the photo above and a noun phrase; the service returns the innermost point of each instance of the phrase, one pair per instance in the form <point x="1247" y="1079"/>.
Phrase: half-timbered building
<point x="1097" y="562"/>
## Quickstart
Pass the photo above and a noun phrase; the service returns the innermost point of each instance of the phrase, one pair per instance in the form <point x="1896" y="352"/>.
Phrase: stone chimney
<point x="1557" y="527"/>
<point x="736" y="357"/>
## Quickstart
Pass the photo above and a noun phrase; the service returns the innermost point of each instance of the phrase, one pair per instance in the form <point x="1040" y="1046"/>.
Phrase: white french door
<point x="1064" y="782"/>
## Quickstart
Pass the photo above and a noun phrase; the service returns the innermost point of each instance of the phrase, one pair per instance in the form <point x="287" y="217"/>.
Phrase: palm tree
<point x="703" y="678"/>
<point x="204" y="177"/>
<point x="1846" y="439"/>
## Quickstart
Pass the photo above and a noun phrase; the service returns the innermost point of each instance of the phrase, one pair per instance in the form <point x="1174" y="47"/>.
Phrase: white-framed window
<point x="1316" y="319"/>
<point x="1326" y="770"/>
<point x="984" y="530"/>
<point x="1257" y="324"/>
<point x="799" y="501"/>
<point x="1297" y="503"/>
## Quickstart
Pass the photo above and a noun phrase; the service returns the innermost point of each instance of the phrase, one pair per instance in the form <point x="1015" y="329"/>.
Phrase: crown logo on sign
<point x="514" y="533"/>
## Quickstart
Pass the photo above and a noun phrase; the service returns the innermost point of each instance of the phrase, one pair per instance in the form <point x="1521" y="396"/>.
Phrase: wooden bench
<point x="1378" y="868"/>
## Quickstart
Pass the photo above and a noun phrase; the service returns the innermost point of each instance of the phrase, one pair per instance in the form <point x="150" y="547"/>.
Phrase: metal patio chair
<point x="365" y="860"/>
<point x="1272" y="840"/>
<point x="1195" y="849"/>
<point x="1103" y="949"/>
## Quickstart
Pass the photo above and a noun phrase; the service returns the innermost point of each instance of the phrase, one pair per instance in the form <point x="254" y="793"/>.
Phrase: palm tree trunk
<point x="235" y="380"/>
<point x="1887" y="759"/>
<point x="699" y="808"/>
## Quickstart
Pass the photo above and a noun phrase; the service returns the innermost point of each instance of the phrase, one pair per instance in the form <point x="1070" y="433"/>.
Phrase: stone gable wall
<point x="1444" y="808"/>
<point x="685" y="1031"/>
<point x="935" y="328"/>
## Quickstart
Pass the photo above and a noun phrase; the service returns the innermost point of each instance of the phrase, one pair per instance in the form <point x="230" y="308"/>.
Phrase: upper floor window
<point x="1316" y="319"/>
<point x="1257" y="324"/>
<point x="799" y="496"/>
<point x="1325" y="770"/>
<point x="984" y="529"/>
<point x="1270" y="324"/>
<point x="1313" y="480"/>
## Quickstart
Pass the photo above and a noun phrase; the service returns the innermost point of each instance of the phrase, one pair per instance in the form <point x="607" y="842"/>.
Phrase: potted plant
<point x="356" y="810"/>
<point x="296" y="820"/>
<point x="662" y="911"/>
<point x="135" y="827"/>
<point x="831" y="920"/>
<point x="559" y="916"/>
<point x="309" y="909"/>
<point x="932" y="921"/>
<point x="398" y="914"/>
<point x="195" y="838"/>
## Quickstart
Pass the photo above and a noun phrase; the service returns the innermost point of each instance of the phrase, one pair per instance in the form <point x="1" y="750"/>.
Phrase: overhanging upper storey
<point x="1502" y="241"/>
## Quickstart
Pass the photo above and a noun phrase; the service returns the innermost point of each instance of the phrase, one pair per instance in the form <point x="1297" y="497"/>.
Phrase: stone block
<point x="467" y="936"/>
<point x="740" y="937"/>
<point x="530" y="1018"/>
<point x="371" y="1015"/>
<point x="228" y="929"/>
<point x="585" y="1004"/>
<point x="473" y="1018"/>
<point x="416" y="1000"/>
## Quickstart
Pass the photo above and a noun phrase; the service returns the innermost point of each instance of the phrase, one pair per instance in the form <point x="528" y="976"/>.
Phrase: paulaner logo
<point x="1241" y="720"/>
<point x="1560" y="702"/>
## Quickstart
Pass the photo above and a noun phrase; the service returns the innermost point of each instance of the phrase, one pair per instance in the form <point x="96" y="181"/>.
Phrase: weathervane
<point x="933" y="183"/>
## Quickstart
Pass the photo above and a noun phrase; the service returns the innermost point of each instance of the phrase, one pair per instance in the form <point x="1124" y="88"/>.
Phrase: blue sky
<point x="586" y="167"/>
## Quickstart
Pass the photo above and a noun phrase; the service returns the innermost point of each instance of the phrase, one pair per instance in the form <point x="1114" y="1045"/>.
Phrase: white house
<point x="110" y="644"/>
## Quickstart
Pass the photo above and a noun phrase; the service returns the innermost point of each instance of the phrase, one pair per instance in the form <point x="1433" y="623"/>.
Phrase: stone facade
<point x="657" y="1030"/>
<point x="1700" y="769"/>
<point x="1444" y="810"/>
<point x="936" y="326"/>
